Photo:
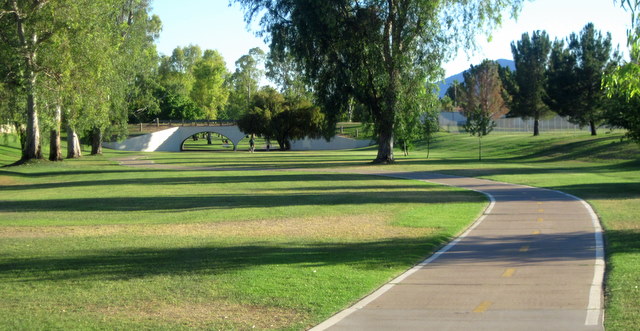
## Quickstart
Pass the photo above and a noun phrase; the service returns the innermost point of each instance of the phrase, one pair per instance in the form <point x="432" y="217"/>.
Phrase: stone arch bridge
<point x="171" y="140"/>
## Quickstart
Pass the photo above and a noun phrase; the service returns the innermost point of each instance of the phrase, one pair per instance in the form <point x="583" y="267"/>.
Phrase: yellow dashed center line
<point x="483" y="307"/>
<point x="524" y="248"/>
<point x="509" y="272"/>
<point x="536" y="232"/>
<point x="541" y="210"/>
<point x="540" y="219"/>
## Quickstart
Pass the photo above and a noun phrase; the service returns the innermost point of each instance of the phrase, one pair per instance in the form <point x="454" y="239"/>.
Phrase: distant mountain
<point x="460" y="78"/>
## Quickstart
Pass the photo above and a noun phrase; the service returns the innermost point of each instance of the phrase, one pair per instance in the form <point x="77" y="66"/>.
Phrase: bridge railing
<point x="159" y="125"/>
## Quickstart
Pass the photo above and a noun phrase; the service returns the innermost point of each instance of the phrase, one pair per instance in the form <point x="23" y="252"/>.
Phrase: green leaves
<point x="372" y="51"/>
<point x="274" y="116"/>
<point x="575" y="76"/>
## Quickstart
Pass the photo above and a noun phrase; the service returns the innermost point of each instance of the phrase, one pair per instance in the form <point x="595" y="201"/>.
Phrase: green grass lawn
<point x="91" y="244"/>
<point x="603" y="170"/>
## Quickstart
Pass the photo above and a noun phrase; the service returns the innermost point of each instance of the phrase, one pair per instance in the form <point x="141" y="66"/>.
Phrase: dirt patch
<point x="7" y="181"/>
<point x="217" y="314"/>
<point x="338" y="227"/>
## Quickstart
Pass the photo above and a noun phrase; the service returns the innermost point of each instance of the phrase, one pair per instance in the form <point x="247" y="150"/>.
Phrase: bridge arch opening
<point x="207" y="141"/>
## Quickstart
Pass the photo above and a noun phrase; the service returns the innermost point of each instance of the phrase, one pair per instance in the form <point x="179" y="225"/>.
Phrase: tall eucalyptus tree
<point x="372" y="50"/>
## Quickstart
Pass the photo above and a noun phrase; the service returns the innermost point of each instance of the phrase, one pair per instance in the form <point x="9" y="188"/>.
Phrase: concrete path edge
<point x="594" y="310"/>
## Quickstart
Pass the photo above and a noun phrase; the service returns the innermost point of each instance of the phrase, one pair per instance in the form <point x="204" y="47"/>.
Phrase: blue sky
<point x="213" y="24"/>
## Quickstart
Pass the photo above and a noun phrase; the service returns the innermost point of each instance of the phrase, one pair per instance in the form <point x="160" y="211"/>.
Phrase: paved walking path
<point x="534" y="261"/>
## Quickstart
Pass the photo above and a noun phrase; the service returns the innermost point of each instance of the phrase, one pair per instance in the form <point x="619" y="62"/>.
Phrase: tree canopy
<point x="283" y="118"/>
<point x="482" y="91"/>
<point x="626" y="78"/>
<point x="244" y="83"/>
<point x="373" y="50"/>
<point x="528" y="89"/>
<point x="623" y="84"/>
<point x="72" y="60"/>
<point x="575" y="76"/>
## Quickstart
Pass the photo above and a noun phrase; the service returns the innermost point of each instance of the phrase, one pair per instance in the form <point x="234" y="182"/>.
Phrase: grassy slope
<point x="602" y="170"/>
<point x="89" y="244"/>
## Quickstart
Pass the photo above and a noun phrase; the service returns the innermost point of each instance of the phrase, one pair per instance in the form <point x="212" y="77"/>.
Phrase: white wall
<point x="170" y="140"/>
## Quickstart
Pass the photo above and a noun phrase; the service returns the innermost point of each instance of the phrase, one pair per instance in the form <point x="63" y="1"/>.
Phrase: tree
<point x="70" y="61"/>
<point x="453" y="92"/>
<point x="285" y="72"/>
<point x="273" y="116"/>
<point x="482" y="91"/>
<point x="365" y="49"/>
<point x="626" y="78"/>
<point x="209" y="92"/>
<point x="126" y="41"/>
<point x="266" y="104"/>
<point x="26" y="26"/>
<point x="244" y="82"/>
<point x="12" y="94"/>
<point x="300" y="119"/>
<point x="575" y="77"/>
<point x="192" y="84"/>
<point x="624" y="82"/>
<point x="531" y="56"/>
<point x="624" y="112"/>
<point x="482" y="99"/>
<point x="409" y="126"/>
<point x="479" y="123"/>
<point x="430" y="127"/>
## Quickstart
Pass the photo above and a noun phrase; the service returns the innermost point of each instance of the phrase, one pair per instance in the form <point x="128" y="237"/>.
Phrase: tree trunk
<point x="385" y="146"/>
<point x="55" y="152"/>
<point x="96" y="141"/>
<point x="536" y="127"/>
<point x="74" y="149"/>
<point x="209" y="138"/>
<point x="32" y="148"/>
<point x="22" y="134"/>
<point x="592" y="125"/>
<point x="480" y="148"/>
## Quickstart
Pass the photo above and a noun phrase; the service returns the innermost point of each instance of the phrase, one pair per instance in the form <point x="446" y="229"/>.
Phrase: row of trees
<point x="72" y="63"/>
<point x="191" y="84"/>
<point x="92" y="61"/>
<point x="563" y="77"/>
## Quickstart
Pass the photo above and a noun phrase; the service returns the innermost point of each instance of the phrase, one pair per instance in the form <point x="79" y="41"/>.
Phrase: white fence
<point x="453" y="122"/>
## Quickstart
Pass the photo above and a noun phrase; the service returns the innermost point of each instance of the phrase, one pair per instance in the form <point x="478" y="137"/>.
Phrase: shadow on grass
<point x="376" y="255"/>
<point x="595" y="148"/>
<point x="181" y="179"/>
<point x="619" y="191"/>
<point x="623" y="241"/>
<point x="143" y="262"/>
<point x="485" y="168"/>
<point x="229" y="201"/>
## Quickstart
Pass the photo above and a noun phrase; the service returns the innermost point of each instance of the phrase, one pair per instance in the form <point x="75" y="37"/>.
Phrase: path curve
<point x="533" y="261"/>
